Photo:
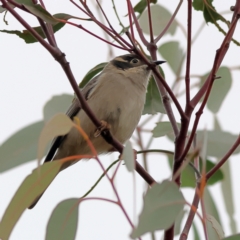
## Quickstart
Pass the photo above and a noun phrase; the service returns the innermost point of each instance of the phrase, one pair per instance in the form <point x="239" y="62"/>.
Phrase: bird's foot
<point x="104" y="126"/>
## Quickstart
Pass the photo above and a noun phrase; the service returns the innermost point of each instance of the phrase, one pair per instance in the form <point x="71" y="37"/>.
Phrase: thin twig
<point x="169" y="23"/>
<point x="150" y="22"/>
<point x="189" y="36"/>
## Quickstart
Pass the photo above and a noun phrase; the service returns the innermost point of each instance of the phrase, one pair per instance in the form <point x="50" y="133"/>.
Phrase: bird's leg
<point x="104" y="126"/>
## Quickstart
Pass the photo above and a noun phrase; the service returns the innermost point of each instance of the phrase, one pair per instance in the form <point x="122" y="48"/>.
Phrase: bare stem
<point x="189" y="37"/>
<point x="169" y="23"/>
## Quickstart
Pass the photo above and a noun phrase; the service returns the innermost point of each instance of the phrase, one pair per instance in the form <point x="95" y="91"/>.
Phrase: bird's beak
<point x="158" y="62"/>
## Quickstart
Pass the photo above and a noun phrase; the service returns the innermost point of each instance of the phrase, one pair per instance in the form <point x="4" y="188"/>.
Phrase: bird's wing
<point x="71" y="112"/>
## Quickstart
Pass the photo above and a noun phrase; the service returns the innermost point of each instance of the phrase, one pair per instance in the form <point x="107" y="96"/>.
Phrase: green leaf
<point x="27" y="36"/>
<point x="210" y="205"/>
<point x="128" y="156"/>
<point x="163" y="129"/>
<point x="153" y="103"/>
<point x="220" y="88"/>
<point x="233" y="237"/>
<point x="178" y="221"/>
<point x="217" y="176"/>
<point x="92" y="73"/>
<point x="173" y="54"/>
<point x="195" y="232"/>
<point x="162" y="204"/>
<point x="25" y="2"/>
<point x="227" y="192"/>
<point x="216" y="226"/>
<point x="160" y="18"/>
<point x="40" y="12"/>
<point x="218" y="142"/>
<point x="21" y="147"/>
<point x="211" y="209"/>
<point x="209" y="11"/>
<point x="59" y="125"/>
<point x="58" y="103"/>
<point x="63" y="221"/>
<point x="140" y="7"/>
<point x="32" y="187"/>
<point x="2" y="9"/>
<point x="188" y="178"/>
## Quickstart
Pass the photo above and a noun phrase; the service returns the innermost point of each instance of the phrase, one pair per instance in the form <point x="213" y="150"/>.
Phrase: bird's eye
<point x="135" y="60"/>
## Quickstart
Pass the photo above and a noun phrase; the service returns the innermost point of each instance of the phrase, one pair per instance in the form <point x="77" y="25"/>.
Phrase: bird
<point x="117" y="97"/>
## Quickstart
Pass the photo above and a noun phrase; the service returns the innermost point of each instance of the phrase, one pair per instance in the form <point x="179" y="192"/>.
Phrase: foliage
<point x="199" y="158"/>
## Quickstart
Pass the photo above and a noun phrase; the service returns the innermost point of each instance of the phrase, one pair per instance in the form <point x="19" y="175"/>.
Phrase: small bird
<point x="116" y="96"/>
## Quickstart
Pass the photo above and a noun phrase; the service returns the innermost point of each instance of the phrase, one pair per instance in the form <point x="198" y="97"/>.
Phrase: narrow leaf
<point x="153" y="103"/>
<point x="162" y="204"/>
<point x="233" y="237"/>
<point x="210" y="205"/>
<point x="209" y="11"/>
<point x="178" y="222"/>
<point x="32" y="186"/>
<point x="59" y="125"/>
<point x="227" y="192"/>
<point x="173" y="54"/>
<point x="56" y="104"/>
<point x="27" y="36"/>
<point x="163" y="129"/>
<point x="188" y="178"/>
<point x="195" y="232"/>
<point x="21" y="147"/>
<point x="40" y="12"/>
<point x="63" y="221"/>
<point x="128" y="157"/>
<point x="92" y="73"/>
<point x="218" y="142"/>
<point x="160" y="18"/>
<point x="216" y="226"/>
<point x="219" y="90"/>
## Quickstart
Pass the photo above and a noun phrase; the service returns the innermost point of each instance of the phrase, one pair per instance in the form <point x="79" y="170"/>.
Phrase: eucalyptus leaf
<point x="209" y="11"/>
<point x="218" y="142"/>
<point x="128" y="156"/>
<point x="40" y="12"/>
<point x="63" y="221"/>
<point x="211" y="209"/>
<point x="141" y="5"/>
<point x="161" y="206"/>
<point x="28" y="37"/>
<point x="21" y="147"/>
<point x="58" y="103"/>
<point x="173" y="54"/>
<point x="195" y="232"/>
<point x="227" y="192"/>
<point x="220" y="89"/>
<point x="233" y="237"/>
<point x="210" y="205"/>
<point x="188" y="178"/>
<point x="216" y="226"/>
<point x="178" y="222"/>
<point x="163" y="129"/>
<point x="160" y="18"/>
<point x="32" y="187"/>
<point x="92" y="73"/>
<point x="153" y="103"/>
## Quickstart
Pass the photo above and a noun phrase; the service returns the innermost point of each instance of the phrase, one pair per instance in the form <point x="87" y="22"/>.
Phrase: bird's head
<point x="131" y="66"/>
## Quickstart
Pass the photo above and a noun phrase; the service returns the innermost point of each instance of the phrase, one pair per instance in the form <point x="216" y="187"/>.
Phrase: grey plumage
<point x="117" y="96"/>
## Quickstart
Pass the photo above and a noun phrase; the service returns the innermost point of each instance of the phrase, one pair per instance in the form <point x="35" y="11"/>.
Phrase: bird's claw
<point x="104" y="126"/>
